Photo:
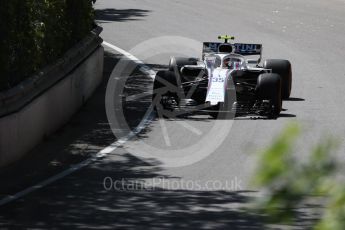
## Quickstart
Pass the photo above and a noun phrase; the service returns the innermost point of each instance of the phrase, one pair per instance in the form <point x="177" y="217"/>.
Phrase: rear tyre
<point x="269" y="88"/>
<point x="283" y="68"/>
<point x="179" y="62"/>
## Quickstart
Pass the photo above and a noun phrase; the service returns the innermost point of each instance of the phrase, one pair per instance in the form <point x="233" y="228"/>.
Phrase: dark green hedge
<point x="34" y="33"/>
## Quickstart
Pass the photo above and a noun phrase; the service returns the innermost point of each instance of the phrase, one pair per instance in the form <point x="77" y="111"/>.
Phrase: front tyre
<point x="164" y="89"/>
<point x="269" y="88"/>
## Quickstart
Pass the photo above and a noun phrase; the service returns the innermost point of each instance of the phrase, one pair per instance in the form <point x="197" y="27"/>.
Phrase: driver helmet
<point x="232" y="63"/>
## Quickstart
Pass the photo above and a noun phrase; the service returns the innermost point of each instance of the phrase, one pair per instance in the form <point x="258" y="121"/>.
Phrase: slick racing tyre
<point x="283" y="68"/>
<point x="269" y="88"/>
<point x="179" y="62"/>
<point x="164" y="87"/>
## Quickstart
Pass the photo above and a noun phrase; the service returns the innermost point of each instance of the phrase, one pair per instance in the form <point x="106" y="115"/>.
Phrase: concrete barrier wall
<point x="24" y="129"/>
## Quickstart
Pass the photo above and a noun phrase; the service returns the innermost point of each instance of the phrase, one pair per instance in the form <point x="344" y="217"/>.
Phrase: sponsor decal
<point x="240" y="48"/>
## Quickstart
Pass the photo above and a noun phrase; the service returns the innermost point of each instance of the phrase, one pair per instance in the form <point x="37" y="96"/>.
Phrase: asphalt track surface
<point x="308" y="33"/>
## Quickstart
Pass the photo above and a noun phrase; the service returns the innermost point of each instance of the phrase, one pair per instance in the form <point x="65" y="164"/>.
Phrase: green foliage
<point x="288" y="182"/>
<point x="334" y="216"/>
<point x="35" y="33"/>
<point x="277" y="159"/>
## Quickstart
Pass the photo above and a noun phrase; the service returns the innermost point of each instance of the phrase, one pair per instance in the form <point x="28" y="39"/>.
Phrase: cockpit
<point x="232" y="62"/>
<point x="224" y="61"/>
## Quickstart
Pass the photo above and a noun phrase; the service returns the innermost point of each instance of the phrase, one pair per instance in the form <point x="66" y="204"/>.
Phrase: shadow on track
<point x="286" y="115"/>
<point x="116" y="15"/>
<point x="81" y="201"/>
<point x="294" y="99"/>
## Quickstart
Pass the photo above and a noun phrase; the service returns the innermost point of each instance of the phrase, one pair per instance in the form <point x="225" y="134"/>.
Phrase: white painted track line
<point x="104" y="152"/>
<point x="143" y="68"/>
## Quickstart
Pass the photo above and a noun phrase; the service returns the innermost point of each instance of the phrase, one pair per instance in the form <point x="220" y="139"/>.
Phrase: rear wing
<point x="238" y="48"/>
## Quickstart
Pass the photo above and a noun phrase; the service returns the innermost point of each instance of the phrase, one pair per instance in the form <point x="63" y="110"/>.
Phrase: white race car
<point x="223" y="82"/>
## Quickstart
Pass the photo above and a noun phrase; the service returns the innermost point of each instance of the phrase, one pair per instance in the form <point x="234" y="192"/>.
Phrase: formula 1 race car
<point x="224" y="81"/>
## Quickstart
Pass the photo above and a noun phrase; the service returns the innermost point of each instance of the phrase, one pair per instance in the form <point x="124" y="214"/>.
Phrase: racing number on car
<point x="218" y="79"/>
